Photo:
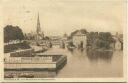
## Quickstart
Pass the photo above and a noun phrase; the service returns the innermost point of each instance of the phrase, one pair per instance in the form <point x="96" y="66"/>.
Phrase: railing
<point x="28" y="59"/>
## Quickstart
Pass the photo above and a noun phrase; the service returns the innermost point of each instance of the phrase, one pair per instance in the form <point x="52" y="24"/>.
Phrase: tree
<point x="91" y="38"/>
<point x="12" y="33"/>
<point x="99" y="40"/>
<point x="104" y="40"/>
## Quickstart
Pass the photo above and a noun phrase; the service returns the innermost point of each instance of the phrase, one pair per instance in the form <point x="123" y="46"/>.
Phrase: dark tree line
<point x="12" y="33"/>
<point x="100" y="40"/>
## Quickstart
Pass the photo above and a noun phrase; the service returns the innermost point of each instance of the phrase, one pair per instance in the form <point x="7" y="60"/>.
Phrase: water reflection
<point x="94" y="55"/>
<point x="82" y="63"/>
<point x="91" y="61"/>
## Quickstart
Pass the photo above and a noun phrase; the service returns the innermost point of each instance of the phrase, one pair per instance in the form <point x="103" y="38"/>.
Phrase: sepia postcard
<point x="63" y="41"/>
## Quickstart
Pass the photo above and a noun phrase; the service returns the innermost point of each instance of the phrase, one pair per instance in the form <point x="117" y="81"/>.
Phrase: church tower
<point x="38" y="25"/>
<point x="40" y="34"/>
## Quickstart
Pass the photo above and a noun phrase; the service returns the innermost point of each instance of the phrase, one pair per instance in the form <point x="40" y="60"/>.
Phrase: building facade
<point x="79" y="40"/>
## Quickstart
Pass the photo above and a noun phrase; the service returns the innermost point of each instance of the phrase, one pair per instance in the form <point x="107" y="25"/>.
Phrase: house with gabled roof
<point x="79" y="39"/>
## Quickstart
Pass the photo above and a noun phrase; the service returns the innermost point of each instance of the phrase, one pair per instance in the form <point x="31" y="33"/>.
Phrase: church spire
<point x="38" y="25"/>
<point x="40" y="34"/>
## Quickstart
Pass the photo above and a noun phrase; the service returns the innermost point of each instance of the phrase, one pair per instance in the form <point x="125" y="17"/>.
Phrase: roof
<point x="79" y="33"/>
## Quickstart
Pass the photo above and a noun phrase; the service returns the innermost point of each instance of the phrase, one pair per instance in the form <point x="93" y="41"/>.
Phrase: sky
<point x="64" y="16"/>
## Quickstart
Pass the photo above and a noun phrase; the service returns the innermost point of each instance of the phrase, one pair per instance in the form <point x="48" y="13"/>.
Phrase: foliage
<point x="12" y="33"/>
<point x="13" y="47"/>
<point x="99" y="40"/>
<point x="91" y="38"/>
<point x="105" y="39"/>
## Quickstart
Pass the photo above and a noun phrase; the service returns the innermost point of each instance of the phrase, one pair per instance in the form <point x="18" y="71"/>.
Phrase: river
<point x="80" y="64"/>
<point x="83" y="64"/>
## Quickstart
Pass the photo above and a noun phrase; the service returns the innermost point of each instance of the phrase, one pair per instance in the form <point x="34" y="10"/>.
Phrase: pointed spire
<point x="38" y="24"/>
<point x="38" y="18"/>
